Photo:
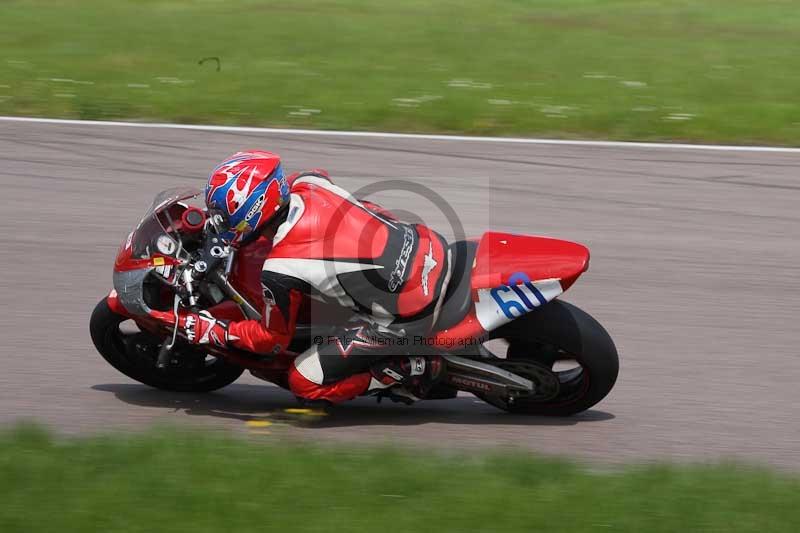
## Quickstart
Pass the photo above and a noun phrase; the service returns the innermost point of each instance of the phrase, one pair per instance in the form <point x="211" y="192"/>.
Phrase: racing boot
<point x="407" y="377"/>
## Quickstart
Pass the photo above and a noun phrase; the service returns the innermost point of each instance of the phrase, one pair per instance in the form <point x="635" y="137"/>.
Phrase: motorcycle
<point x="558" y="360"/>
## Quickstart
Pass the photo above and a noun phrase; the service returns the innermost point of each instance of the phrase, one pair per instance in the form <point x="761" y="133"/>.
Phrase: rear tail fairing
<point x="513" y="275"/>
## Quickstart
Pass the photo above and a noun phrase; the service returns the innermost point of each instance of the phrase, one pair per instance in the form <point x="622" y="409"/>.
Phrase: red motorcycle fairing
<point x="511" y="276"/>
<point x="115" y="305"/>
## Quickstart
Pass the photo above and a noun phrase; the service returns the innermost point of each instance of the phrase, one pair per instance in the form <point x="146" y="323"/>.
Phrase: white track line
<point x="383" y="135"/>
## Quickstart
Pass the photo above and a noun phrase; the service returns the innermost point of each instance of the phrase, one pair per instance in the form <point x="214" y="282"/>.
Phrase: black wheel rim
<point x="573" y="383"/>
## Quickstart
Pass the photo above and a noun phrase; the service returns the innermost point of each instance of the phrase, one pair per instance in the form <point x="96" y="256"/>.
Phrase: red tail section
<point x="513" y="275"/>
<point x="505" y="259"/>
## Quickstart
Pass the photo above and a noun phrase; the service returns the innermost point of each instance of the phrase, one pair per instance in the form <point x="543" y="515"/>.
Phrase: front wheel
<point x="134" y="353"/>
<point x="543" y="340"/>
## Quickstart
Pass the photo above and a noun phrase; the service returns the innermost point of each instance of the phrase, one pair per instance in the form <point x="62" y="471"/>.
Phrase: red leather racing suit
<point x="333" y="248"/>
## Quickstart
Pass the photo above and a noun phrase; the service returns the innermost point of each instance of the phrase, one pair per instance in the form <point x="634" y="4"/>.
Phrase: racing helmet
<point x="246" y="191"/>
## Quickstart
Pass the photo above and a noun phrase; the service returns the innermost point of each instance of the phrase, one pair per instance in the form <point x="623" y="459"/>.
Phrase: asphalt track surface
<point x="694" y="273"/>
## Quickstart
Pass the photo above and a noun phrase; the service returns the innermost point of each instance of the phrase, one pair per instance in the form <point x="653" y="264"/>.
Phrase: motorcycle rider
<point x="328" y="246"/>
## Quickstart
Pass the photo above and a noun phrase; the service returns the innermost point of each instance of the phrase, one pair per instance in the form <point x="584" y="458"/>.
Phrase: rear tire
<point x="561" y="331"/>
<point x="135" y="354"/>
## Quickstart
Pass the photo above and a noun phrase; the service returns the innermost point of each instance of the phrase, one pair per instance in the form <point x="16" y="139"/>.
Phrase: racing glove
<point x="198" y="328"/>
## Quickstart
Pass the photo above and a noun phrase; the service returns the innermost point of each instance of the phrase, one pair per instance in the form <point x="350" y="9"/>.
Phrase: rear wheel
<point x="568" y="355"/>
<point x="134" y="353"/>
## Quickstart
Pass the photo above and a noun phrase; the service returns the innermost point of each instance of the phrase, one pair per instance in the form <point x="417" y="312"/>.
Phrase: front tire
<point x="135" y="353"/>
<point x="556" y="332"/>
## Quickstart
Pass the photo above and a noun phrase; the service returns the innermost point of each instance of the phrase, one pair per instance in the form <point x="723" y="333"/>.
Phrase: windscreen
<point x="157" y="232"/>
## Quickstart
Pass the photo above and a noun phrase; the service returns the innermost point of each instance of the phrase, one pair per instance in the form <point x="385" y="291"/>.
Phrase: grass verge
<point x="716" y="70"/>
<point x="188" y="482"/>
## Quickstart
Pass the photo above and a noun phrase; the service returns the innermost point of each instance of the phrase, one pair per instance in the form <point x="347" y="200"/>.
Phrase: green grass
<point x="710" y="70"/>
<point x="193" y="483"/>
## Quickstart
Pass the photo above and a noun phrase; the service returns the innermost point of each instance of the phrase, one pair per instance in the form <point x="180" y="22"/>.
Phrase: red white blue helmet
<point x="247" y="189"/>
